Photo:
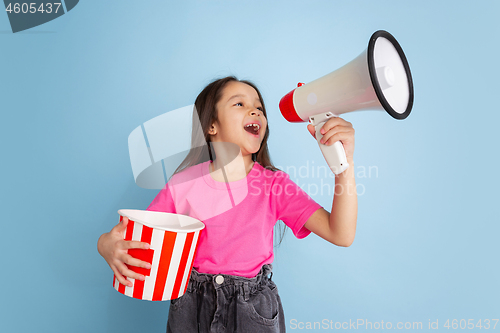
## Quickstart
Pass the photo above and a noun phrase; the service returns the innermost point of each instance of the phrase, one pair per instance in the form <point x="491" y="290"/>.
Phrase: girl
<point x="239" y="195"/>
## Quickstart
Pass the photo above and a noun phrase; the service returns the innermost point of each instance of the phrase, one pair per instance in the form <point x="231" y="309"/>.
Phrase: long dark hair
<point x="204" y="114"/>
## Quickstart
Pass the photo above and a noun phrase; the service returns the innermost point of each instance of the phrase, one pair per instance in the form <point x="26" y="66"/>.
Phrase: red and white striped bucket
<point x="173" y="240"/>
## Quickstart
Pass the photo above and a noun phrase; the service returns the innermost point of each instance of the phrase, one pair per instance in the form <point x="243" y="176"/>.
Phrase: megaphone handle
<point x="334" y="155"/>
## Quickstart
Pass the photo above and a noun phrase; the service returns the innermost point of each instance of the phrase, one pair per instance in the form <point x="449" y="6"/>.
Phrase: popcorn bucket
<point x="173" y="240"/>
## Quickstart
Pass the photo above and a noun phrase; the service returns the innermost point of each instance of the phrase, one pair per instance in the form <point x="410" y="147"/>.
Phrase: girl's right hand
<point x="114" y="249"/>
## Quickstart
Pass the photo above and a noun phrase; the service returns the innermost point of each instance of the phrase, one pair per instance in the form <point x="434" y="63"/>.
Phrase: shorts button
<point x="219" y="279"/>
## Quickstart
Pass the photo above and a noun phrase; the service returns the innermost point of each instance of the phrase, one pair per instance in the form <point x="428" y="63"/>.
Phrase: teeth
<point x="254" y="125"/>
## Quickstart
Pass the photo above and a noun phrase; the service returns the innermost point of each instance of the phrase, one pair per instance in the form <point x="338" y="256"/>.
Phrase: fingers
<point x="120" y="277"/>
<point x="121" y="226"/>
<point x="121" y="268"/>
<point x="312" y="130"/>
<point x="331" y="127"/>
<point x="122" y="272"/>
<point x="121" y="254"/>
<point x="124" y="222"/>
<point x="333" y="122"/>
<point x="130" y="273"/>
<point x="336" y="129"/>
<point x="134" y="245"/>
<point x="124" y="257"/>
<point x="131" y="261"/>
<point x="334" y="135"/>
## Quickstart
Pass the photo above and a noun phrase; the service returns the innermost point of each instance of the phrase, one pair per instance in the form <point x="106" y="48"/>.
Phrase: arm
<point x="339" y="226"/>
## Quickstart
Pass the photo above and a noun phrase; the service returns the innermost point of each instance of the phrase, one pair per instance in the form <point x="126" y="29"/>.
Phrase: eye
<point x="239" y="104"/>
<point x="261" y="108"/>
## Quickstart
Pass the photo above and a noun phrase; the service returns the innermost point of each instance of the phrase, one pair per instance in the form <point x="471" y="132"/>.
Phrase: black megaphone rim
<point x="373" y="75"/>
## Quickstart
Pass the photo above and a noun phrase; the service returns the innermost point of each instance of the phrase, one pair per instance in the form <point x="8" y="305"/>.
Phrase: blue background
<point x="72" y="90"/>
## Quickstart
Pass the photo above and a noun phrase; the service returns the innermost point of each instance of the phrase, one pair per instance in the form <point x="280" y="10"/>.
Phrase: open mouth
<point x="252" y="129"/>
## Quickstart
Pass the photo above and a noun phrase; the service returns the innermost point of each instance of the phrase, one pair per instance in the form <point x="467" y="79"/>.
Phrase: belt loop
<point x="246" y="291"/>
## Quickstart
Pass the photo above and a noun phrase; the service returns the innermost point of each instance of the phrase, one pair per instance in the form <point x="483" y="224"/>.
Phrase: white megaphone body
<point x="378" y="79"/>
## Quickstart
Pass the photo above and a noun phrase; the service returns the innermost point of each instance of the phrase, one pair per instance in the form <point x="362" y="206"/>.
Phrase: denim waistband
<point x="245" y="285"/>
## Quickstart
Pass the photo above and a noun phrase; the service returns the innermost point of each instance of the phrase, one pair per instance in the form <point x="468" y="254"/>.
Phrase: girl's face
<point x="241" y="118"/>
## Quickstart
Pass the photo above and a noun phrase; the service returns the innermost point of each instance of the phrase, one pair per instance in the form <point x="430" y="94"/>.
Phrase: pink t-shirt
<point x="239" y="216"/>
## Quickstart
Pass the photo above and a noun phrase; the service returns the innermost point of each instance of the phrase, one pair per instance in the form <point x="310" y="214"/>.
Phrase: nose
<point x="256" y="112"/>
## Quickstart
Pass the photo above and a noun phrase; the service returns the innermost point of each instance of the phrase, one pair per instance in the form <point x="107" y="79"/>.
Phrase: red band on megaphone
<point x="287" y="108"/>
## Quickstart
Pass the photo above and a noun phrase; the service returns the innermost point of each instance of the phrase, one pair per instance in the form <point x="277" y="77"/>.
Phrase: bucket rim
<point x="195" y="225"/>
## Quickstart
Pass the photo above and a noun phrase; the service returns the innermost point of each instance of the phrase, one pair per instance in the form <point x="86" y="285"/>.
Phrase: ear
<point x="212" y="130"/>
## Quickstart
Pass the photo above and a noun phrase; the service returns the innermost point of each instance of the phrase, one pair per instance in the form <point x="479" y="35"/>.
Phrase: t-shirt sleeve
<point x="163" y="202"/>
<point x="293" y="205"/>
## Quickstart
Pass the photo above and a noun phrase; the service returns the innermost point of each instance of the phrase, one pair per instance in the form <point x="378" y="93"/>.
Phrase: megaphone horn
<point x="378" y="79"/>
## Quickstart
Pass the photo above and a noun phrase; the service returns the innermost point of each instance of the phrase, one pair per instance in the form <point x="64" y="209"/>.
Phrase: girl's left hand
<point x="335" y="129"/>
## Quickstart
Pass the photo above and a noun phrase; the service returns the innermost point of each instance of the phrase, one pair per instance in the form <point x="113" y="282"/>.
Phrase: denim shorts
<point x="215" y="303"/>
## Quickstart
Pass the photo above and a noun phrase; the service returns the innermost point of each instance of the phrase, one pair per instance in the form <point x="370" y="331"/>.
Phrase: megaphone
<point x="378" y="79"/>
